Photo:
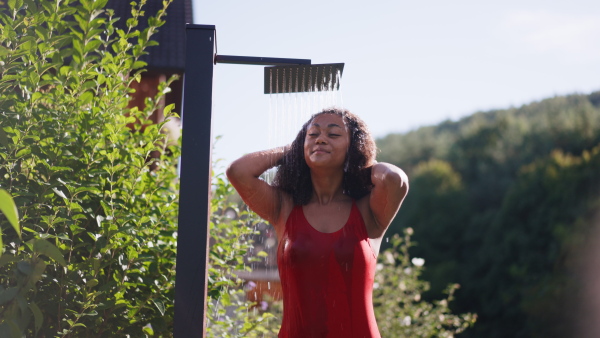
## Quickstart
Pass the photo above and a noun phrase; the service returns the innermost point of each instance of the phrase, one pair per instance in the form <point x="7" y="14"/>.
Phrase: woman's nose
<point x="320" y="140"/>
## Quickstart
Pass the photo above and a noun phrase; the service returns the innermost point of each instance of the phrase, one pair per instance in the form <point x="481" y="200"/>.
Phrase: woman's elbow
<point x="397" y="178"/>
<point x="389" y="175"/>
<point x="233" y="172"/>
<point x="392" y="177"/>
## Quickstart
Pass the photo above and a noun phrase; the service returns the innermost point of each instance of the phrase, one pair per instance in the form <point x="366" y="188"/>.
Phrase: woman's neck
<point x="327" y="188"/>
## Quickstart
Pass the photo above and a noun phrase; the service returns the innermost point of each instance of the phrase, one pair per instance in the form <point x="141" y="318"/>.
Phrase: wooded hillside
<point x="503" y="202"/>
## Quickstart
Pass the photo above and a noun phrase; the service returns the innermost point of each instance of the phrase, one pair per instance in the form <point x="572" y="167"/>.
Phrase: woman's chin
<point x="324" y="165"/>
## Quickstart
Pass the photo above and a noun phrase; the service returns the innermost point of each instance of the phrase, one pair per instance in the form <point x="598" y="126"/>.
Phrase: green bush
<point x="97" y="252"/>
<point x="94" y="254"/>
<point x="229" y="314"/>
<point x="397" y="296"/>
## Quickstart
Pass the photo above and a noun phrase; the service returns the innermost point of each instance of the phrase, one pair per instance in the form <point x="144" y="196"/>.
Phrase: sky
<point x="408" y="64"/>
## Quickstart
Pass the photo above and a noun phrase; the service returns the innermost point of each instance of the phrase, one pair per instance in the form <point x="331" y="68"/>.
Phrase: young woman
<point x="330" y="204"/>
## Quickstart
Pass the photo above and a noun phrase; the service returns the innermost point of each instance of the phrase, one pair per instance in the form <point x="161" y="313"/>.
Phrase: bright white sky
<point x="407" y="63"/>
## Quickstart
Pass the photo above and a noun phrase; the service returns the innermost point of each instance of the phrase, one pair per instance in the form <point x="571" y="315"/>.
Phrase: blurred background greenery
<point x="503" y="203"/>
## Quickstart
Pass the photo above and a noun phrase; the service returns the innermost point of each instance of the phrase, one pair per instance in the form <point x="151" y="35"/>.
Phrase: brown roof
<point x="170" y="53"/>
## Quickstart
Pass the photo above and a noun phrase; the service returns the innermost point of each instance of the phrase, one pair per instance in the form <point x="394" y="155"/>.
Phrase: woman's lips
<point x="320" y="151"/>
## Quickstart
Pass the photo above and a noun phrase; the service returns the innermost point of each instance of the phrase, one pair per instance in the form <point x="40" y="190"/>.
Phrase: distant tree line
<point x="503" y="203"/>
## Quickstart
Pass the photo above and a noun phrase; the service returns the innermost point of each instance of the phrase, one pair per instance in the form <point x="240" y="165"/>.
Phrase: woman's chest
<point x="311" y="251"/>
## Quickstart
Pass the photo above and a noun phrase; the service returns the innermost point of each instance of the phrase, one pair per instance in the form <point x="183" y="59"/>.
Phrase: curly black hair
<point x="293" y="174"/>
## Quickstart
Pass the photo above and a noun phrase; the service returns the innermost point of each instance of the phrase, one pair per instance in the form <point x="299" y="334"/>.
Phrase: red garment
<point x="327" y="280"/>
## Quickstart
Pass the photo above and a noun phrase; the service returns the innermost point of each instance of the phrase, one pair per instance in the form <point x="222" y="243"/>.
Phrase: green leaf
<point x="9" y="209"/>
<point x="86" y="98"/>
<point x="5" y="259"/>
<point x="34" y="77"/>
<point x="41" y="32"/>
<point x="46" y="248"/>
<point x="99" y="4"/>
<point x="38" y="270"/>
<point x="3" y="138"/>
<point x="92" y="45"/>
<point x="92" y="190"/>
<point x="139" y="64"/>
<point x="77" y="325"/>
<point x="78" y="46"/>
<point x="8" y="295"/>
<point x="36" y="96"/>
<point x="25" y="267"/>
<point x="91" y="283"/>
<point x="57" y="169"/>
<point x="65" y="70"/>
<point x="10" y="329"/>
<point x="101" y="79"/>
<point x="148" y="330"/>
<point x="23" y="152"/>
<point x="159" y="305"/>
<point x="37" y="315"/>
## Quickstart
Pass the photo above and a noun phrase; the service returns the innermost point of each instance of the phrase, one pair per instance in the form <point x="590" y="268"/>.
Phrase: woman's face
<point x="326" y="143"/>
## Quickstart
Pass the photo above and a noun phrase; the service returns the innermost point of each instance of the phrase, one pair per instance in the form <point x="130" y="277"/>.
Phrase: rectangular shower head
<point x="303" y="78"/>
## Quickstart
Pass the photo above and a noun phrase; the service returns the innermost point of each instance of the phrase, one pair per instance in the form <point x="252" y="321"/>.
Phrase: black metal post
<point x="194" y="193"/>
<point x="195" y="171"/>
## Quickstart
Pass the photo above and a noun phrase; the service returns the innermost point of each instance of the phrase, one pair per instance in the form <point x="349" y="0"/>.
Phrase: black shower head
<point x="303" y="78"/>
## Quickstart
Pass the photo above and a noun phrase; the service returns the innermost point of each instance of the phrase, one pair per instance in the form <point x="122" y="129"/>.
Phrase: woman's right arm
<point x="244" y="174"/>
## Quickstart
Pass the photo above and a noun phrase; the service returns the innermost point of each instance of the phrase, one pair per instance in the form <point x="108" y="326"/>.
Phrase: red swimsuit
<point x="327" y="280"/>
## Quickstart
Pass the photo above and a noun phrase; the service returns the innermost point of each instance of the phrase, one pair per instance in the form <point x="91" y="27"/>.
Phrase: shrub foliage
<point x="400" y="308"/>
<point x="96" y="248"/>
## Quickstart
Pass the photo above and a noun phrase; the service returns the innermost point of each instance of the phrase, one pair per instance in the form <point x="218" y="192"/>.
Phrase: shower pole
<point x="195" y="172"/>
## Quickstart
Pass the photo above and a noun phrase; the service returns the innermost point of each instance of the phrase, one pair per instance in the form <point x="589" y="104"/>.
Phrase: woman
<point x="330" y="205"/>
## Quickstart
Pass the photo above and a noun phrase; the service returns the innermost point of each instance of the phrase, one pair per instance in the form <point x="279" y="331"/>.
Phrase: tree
<point x="499" y="231"/>
<point x="528" y="262"/>
<point x="437" y="210"/>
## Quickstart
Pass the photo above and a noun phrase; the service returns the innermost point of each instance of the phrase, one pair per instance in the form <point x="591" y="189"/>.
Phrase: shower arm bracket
<point x="259" y="61"/>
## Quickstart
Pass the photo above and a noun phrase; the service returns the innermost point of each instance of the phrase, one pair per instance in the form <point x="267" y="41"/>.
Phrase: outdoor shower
<point x="283" y="76"/>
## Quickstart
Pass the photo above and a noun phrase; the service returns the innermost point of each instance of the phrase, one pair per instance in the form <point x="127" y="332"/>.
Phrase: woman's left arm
<point x="390" y="186"/>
